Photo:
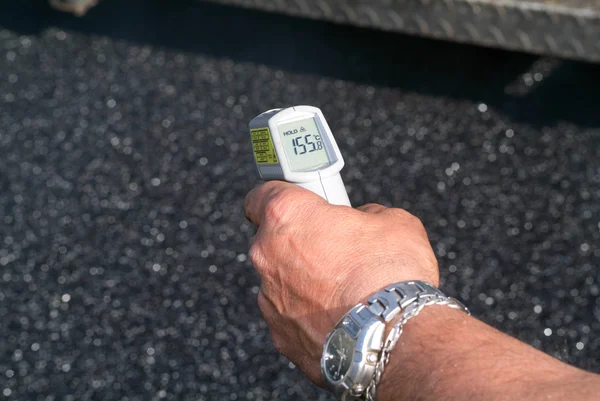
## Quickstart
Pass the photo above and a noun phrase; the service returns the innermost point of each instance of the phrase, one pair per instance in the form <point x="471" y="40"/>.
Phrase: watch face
<point x="338" y="355"/>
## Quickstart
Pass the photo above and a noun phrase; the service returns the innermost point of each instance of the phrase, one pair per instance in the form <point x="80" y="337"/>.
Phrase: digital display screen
<point x="304" y="145"/>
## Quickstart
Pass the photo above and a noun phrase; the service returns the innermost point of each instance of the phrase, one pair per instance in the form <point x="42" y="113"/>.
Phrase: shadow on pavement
<point x="425" y="66"/>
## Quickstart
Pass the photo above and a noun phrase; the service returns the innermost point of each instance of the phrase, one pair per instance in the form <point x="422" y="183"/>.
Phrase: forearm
<point x="444" y="354"/>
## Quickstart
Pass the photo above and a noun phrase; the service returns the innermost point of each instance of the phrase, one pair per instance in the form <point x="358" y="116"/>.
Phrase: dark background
<point x="125" y="158"/>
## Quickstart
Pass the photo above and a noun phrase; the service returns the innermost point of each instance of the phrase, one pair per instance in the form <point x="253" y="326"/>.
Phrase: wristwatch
<point x="354" y="354"/>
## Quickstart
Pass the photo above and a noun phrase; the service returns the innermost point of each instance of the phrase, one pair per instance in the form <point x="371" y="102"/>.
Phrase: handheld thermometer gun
<point x="296" y="145"/>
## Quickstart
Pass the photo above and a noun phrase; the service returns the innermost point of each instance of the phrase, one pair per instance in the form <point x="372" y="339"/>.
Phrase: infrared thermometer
<point x="296" y="145"/>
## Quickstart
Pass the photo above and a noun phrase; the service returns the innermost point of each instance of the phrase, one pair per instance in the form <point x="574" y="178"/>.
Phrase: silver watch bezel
<point x="369" y="341"/>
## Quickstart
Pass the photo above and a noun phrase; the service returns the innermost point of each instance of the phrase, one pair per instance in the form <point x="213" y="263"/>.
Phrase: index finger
<point x="257" y="199"/>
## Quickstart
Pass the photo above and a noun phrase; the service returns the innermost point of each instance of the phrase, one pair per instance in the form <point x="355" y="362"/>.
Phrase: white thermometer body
<point x="296" y="145"/>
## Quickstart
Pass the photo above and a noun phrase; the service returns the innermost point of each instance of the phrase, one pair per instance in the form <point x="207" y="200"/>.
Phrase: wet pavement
<point x="125" y="158"/>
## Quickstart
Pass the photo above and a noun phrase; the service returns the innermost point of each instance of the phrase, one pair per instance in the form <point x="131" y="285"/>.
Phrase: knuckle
<point x="261" y="302"/>
<point x="256" y="254"/>
<point x="416" y="222"/>
<point x="372" y="208"/>
<point x="400" y="213"/>
<point x="277" y="209"/>
<point x="266" y="309"/>
<point x="406" y="216"/>
<point x="410" y="221"/>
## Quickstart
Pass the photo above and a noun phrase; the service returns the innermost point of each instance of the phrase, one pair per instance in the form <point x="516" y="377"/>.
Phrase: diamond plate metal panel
<point x="566" y="28"/>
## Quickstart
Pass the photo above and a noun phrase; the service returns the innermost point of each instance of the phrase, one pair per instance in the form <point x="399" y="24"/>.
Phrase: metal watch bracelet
<point x="409" y="297"/>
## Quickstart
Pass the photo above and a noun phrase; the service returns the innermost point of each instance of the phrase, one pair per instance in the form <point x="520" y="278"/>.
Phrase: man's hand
<point x="316" y="261"/>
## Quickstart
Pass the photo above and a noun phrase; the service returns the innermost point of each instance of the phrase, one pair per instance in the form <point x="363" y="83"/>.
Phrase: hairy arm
<point x="316" y="261"/>
<point x="446" y="355"/>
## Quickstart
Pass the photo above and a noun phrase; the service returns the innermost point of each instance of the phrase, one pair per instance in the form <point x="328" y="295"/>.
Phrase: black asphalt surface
<point x="125" y="159"/>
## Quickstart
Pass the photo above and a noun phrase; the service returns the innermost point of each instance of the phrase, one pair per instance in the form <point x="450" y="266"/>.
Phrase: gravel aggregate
<point x="125" y="159"/>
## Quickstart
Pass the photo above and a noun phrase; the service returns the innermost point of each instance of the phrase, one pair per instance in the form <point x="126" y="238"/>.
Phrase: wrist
<point x="360" y="288"/>
<point x="356" y="352"/>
